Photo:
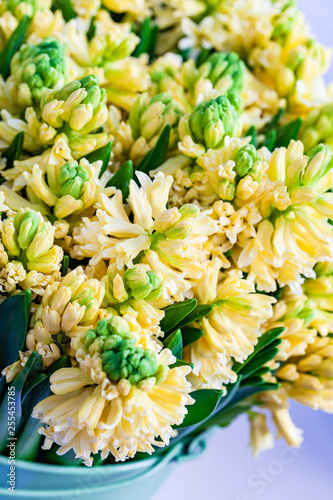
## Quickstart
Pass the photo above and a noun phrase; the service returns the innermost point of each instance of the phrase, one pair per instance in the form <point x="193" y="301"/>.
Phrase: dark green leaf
<point x="191" y="334"/>
<point x="34" y="362"/>
<point x="64" y="265"/>
<point x="66" y="8"/>
<point x="270" y="139"/>
<point x="258" y="361"/>
<point x="121" y="179"/>
<point x="31" y="383"/>
<point x="252" y="132"/>
<point x="14" y="150"/>
<point x="104" y="154"/>
<point x="12" y="46"/>
<point x="156" y="156"/>
<point x="250" y="390"/>
<point x="14" y="319"/>
<point x="174" y="314"/>
<point x="179" y="362"/>
<point x="206" y="400"/>
<point x="287" y="133"/>
<point x="200" y="311"/>
<point x="174" y="342"/>
<point x="265" y="340"/>
<point x="148" y="36"/>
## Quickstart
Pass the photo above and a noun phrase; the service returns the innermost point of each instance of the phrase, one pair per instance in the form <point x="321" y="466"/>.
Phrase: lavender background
<point x="227" y="469"/>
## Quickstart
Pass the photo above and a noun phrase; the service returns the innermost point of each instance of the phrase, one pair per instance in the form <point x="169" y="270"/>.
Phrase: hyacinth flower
<point x="33" y="70"/>
<point x="69" y="189"/>
<point x="232" y="328"/>
<point x="108" y="55"/>
<point x="318" y="127"/>
<point x="148" y="118"/>
<point x="296" y="205"/>
<point x="114" y="397"/>
<point x="67" y="305"/>
<point x="169" y="240"/>
<point x="209" y="123"/>
<point x="27" y="7"/>
<point x="309" y="378"/>
<point x="77" y="110"/>
<point x="28" y="256"/>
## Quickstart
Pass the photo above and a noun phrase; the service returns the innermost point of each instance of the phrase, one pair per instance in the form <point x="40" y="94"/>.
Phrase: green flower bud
<point x="246" y="162"/>
<point x="140" y="284"/>
<point x="72" y="178"/>
<point x="27" y="7"/>
<point x="318" y="127"/>
<point x="26" y="223"/>
<point x="225" y="70"/>
<point x="148" y="117"/>
<point x="121" y="358"/>
<point x="40" y="67"/>
<point x="211" y="121"/>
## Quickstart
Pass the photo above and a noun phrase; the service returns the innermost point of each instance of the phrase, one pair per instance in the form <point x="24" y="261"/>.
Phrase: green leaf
<point x="180" y="362"/>
<point x="191" y="334"/>
<point x="156" y="156"/>
<point x="206" y="400"/>
<point x="31" y="384"/>
<point x="66" y="8"/>
<point x="121" y="179"/>
<point x="12" y="46"/>
<point x="104" y="154"/>
<point x="270" y="139"/>
<point x="287" y="133"/>
<point x="200" y="311"/>
<point x="250" y="390"/>
<point x="265" y="340"/>
<point x="260" y="360"/>
<point x="148" y="36"/>
<point x="174" y="314"/>
<point x="174" y="342"/>
<point x="65" y="265"/>
<point x="34" y="363"/>
<point x="252" y="132"/>
<point x="14" y="150"/>
<point x="14" y="320"/>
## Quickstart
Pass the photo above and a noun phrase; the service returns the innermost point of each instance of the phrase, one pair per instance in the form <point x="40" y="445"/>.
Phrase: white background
<point x="227" y="470"/>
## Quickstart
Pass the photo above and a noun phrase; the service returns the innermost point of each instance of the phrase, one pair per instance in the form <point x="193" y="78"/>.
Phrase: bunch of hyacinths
<point x="69" y="189"/>
<point x="76" y="110"/>
<point x="318" y="127"/>
<point x="295" y="234"/>
<point x="209" y="123"/>
<point x="28" y="256"/>
<point x="115" y="395"/>
<point x="148" y="118"/>
<point x="37" y="68"/>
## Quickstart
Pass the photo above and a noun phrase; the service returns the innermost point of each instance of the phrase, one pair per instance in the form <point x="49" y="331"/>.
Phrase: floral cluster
<point x="166" y="204"/>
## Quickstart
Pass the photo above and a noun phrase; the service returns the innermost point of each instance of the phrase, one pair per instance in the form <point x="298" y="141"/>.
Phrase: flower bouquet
<point x="166" y="243"/>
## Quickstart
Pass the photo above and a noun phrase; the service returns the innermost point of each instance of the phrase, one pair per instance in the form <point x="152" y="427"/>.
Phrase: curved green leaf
<point x="200" y="311"/>
<point x="191" y="334"/>
<point x="66" y="8"/>
<point x="174" y="314"/>
<point x="121" y="179"/>
<point x="14" y="150"/>
<point x="14" y="320"/>
<point x="287" y="133"/>
<point x="156" y="156"/>
<point x="206" y="400"/>
<point x="148" y="36"/>
<point x="174" y="342"/>
<point x="252" y="132"/>
<point x="104" y="154"/>
<point x="12" y="46"/>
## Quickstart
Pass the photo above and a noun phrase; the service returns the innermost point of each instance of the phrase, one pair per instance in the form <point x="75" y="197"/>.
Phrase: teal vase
<point x="137" y="480"/>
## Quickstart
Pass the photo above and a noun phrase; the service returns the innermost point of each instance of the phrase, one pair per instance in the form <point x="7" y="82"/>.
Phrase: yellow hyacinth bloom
<point x="100" y="401"/>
